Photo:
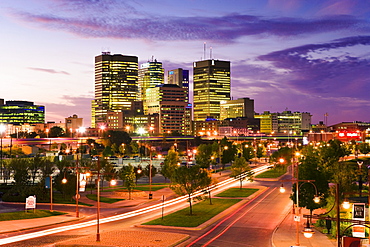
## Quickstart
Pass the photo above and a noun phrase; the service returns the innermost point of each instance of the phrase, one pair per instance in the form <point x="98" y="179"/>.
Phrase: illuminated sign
<point x="349" y="135"/>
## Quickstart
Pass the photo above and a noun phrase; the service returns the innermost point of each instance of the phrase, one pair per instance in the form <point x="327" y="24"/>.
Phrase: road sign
<point x="297" y="218"/>
<point x="31" y="202"/>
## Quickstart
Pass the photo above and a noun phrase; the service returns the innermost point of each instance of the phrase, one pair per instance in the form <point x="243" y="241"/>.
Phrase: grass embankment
<point x="272" y="173"/>
<point x="21" y="215"/>
<point x="237" y="192"/>
<point x="61" y="199"/>
<point x="202" y="212"/>
<point x="103" y="199"/>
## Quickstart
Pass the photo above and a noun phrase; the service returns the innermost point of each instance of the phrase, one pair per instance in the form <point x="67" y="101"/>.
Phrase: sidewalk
<point x="285" y="235"/>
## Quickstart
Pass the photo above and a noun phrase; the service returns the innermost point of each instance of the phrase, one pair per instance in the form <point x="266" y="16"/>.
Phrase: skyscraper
<point x="151" y="74"/>
<point x="211" y="86"/>
<point x="179" y="77"/>
<point x="116" y="85"/>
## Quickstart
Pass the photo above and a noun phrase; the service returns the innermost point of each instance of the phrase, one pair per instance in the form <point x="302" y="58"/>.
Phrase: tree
<point x="20" y="168"/>
<point x="187" y="180"/>
<point x="309" y="169"/>
<point x="129" y="180"/>
<point x="203" y="157"/>
<point x="56" y="131"/>
<point x="118" y="137"/>
<point x="170" y="163"/>
<point x="149" y="173"/>
<point x="364" y="148"/>
<point x="241" y="170"/>
<point x="247" y="151"/>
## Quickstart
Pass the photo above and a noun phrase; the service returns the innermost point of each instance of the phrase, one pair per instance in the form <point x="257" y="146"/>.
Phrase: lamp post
<point x="2" y="130"/>
<point x="359" y="163"/>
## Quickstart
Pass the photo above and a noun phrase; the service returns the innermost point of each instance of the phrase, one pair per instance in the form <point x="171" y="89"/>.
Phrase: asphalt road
<point x="251" y="226"/>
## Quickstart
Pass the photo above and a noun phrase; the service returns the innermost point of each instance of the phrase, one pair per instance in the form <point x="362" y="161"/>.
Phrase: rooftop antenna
<point x="210" y="52"/>
<point x="204" y="50"/>
<point x="326" y="119"/>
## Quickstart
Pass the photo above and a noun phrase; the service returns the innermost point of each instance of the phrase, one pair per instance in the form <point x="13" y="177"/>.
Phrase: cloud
<point x="80" y="105"/>
<point x="51" y="71"/>
<point x="225" y="28"/>
<point x="329" y="69"/>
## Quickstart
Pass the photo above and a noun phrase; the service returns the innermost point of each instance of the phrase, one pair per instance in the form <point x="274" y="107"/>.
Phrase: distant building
<point x="243" y="107"/>
<point x="169" y="102"/>
<point x="268" y="122"/>
<point x="19" y="112"/>
<point x="286" y="122"/>
<point x="116" y="85"/>
<point x="179" y="77"/>
<point x="208" y="127"/>
<point x="73" y="122"/>
<point x="294" y="123"/>
<point x="211" y="87"/>
<point x="242" y="123"/>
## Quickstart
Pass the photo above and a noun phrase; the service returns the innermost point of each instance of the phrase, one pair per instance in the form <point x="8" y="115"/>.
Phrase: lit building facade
<point x="169" y="102"/>
<point x="294" y="123"/>
<point x="243" y="107"/>
<point x="21" y="112"/>
<point x="211" y="86"/>
<point x="268" y="122"/>
<point x="151" y="74"/>
<point x="116" y="85"/>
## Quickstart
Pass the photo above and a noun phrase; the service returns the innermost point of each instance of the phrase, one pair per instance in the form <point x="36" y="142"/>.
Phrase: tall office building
<point x="168" y="101"/>
<point x="179" y="77"/>
<point x="116" y="85"/>
<point x="211" y="86"/>
<point x="151" y="74"/>
<point x="19" y="112"/>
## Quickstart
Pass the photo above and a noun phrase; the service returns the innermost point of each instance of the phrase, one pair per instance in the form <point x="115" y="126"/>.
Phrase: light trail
<point x="137" y="212"/>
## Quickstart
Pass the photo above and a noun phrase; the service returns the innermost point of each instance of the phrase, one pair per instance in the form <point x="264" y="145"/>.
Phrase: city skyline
<point x="295" y="55"/>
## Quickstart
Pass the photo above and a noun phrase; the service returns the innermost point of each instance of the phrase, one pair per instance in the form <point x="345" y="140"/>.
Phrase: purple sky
<point x="308" y="56"/>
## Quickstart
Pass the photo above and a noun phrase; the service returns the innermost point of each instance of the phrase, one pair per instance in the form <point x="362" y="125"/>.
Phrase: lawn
<point x="103" y="199"/>
<point x="202" y="212"/>
<point x="272" y="173"/>
<point x="20" y="215"/>
<point x="237" y="192"/>
<point x="144" y="187"/>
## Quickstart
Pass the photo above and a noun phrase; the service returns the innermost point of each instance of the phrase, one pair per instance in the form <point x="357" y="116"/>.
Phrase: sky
<point x="297" y="55"/>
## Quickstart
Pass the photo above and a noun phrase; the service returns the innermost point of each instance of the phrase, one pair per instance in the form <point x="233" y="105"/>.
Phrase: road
<point x="252" y="225"/>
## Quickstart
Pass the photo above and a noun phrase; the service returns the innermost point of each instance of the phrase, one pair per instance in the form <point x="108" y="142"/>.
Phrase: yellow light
<point x="346" y="205"/>
<point x="64" y="180"/>
<point x="316" y="199"/>
<point x="282" y="189"/>
<point x="281" y="160"/>
<point x="308" y="232"/>
<point x="113" y="182"/>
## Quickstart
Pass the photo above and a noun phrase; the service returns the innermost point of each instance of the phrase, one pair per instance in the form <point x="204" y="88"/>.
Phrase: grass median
<point x="272" y="173"/>
<point x="202" y="212"/>
<point x="237" y="192"/>
<point x="21" y="215"/>
<point x="103" y="199"/>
